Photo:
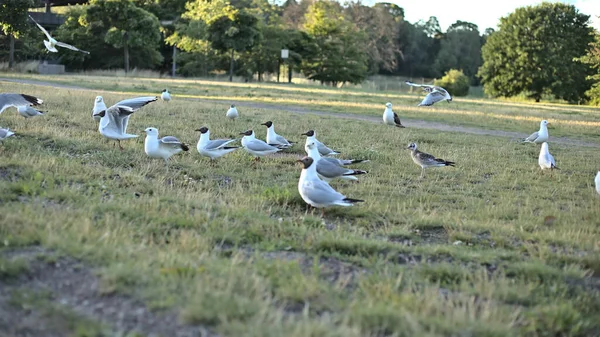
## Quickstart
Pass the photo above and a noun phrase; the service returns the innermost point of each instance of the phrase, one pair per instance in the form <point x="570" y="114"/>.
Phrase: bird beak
<point x="197" y="130"/>
<point x="265" y="124"/>
<point x="242" y="133"/>
<point x="305" y="134"/>
<point x="298" y="161"/>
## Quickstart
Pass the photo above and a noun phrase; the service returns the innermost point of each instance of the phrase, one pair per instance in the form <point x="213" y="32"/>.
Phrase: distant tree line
<point x="538" y="51"/>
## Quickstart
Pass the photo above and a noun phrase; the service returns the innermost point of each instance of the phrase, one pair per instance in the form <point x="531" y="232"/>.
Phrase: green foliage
<point x="460" y="49"/>
<point x="533" y="52"/>
<point x="13" y="16"/>
<point x="455" y="81"/>
<point x="237" y="31"/>
<point x="163" y="9"/>
<point x="592" y="58"/>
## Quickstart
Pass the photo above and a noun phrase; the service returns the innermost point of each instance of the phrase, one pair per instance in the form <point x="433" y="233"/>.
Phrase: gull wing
<point x="16" y="100"/>
<point x="68" y="46"/>
<point x="42" y="28"/>
<point x="328" y="169"/>
<point x="432" y="97"/>
<point x="260" y="146"/>
<point x="426" y="87"/>
<point x="137" y="103"/>
<point x="321" y="192"/>
<point x="216" y="144"/>
<point x="118" y="118"/>
<point x="427" y="159"/>
<point x="3" y="133"/>
<point x="532" y="137"/>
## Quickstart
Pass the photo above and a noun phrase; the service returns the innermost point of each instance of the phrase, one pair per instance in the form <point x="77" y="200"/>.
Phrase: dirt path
<point x="411" y="123"/>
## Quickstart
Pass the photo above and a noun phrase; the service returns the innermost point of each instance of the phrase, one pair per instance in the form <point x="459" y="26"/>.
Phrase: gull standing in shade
<point x="213" y="148"/>
<point x="51" y="44"/>
<point x="539" y="136"/>
<point x="435" y="94"/>
<point x="99" y="106"/>
<point x="164" y="147"/>
<point x="597" y="181"/>
<point x="323" y="150"/>
<point x="274" y="139"/>
<point x="114" y="120"/>
<point x="256" y="147"/>
<point x="232" y="113"/>
<point x="390" y="117"/>
<point x="17" y="100"/>
<point x="546" y="160"/>
<point x="318" y="193"/>
<point x="165" y="95"/>
<point x="426" y="160"/>
<point x="329" y="168"/>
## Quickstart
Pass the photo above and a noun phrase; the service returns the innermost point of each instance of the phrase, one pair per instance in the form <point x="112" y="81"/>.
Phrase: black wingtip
<point x="350" y="200"/>
<point x="400" y="126"/>
<point x="450" y="163"/>
<point x="356" y="172"/>
<point x="33" y="100"/>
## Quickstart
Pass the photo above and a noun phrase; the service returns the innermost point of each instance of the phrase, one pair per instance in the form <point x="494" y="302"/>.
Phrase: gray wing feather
<point x="68" y="46"/>
<point x="3" y="133"/>
<point x="428" y="159"/>
<point x="260" y="146"/>
<point x="218" y="143"/>
<point x="136" y="103"/>
<point x="532" y="137"/>
<point x="330" y="170"/>
<point x="8" y="100"/>
<point x="320" y="192"/>
<point x="432" y="97"/>
<point x="169" y="140"/>
<point x="282" y="140"/>
<point x="41" y="28"/>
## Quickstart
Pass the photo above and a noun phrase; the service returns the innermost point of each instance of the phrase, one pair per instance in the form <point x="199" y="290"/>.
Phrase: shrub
<point x="455" y="82"/>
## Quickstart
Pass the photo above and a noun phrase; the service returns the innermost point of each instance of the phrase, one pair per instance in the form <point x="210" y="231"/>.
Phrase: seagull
<point x="256" y="147"/>
<point x="274" y="139"/>
<point x="318" y="193"/>
<point x="99" y="106"/>
<point x="597" y="181"/>
<point x="329" y="168"/>
<point x="165" y="95"/>
<point x="323" y="150"/>
<point x="114" y="120"/>
<point x="232" y="113"/>
<point x="390" y="117"/>
<point x="213" y="148"/>
<point x="27" y="111"/>
<point x="545" y="159"/>
<point x="539" y="136"/>
<point x="52" y="43"/>
<point x="164" y="147"/>
<point x="426" y="160"/>
<point x="17" y="100"/>
<point x="435" y="94"/>
<point x="5" y="133"/>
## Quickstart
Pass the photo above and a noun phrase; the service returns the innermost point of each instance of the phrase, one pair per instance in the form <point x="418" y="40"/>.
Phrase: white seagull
<point x="435" y="94"/>
<point x="597" y="181"/>
<point x="329" y="168"/>
<point x="213" y="148"/>
<point x="5" y="133"/>
<point x="27" y="111"/>
<point x="539" y="136"/>
<point x="256" y="147"/>
<point x="546" y="160"/>
<point x="99" y="106"/>
<point x="114" y="120"/>
<point x="390" y="117"/>
<point x="425" y="160"/>
<point x="8" y="100"/>
<point x="232" y="113"/>
<point x="165" y="95"/>
<point x="323" y="150"/>
<point x="274" y="139"/>
<point x="51" y="44"/>
<point x="318" y="193"/>
<point x="164" y="147"/>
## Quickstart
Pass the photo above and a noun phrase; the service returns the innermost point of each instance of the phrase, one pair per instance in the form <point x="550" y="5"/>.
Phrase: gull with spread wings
<point x="51" y="44"/>
<point x="435" y="94"/>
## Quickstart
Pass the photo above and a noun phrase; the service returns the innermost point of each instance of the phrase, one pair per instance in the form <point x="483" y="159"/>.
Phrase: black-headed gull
<point x="215" y="148"/>
<point x="318" y="193"/>
<point x="274" y="139"/>
<point x="435" y="94"/>
<point x="546" y="160"/>
<point x="390" y="117"/>
<point x="232" y="113"/>
<point x="539" y="136"/>
<point x="311" y="136"/>
<point x="165" y="95"/>
<point x="256" y="147"/>
<point x="329" y="168"/>
<point x="8" y="100"/>
<point x="164" y="147"/>
<point x="51" y="44"/>
<point x="426" y="160"/>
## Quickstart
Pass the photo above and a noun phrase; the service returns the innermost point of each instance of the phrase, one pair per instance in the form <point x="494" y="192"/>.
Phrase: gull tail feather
<point x="449" y="163"/>
<point x="356" y="172"/>
<point x="352" y="201"/>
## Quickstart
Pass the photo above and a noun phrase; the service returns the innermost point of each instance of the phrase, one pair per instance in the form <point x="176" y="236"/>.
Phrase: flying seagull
<point x="390" y="117"/>
<point x="51" y="44"/>
<point x="323" y="150"/>
<point x="539" y="136"/>
<point x="17" y="100"/>
<point x="164" y="147"/>
<point x="546" y="160"/>
<point x="435" y="94"/>
<point x="426" y="160"/>
<point x="274" y="139"/>
<point x="318" y="193"/>
<point x="213" y="148"/>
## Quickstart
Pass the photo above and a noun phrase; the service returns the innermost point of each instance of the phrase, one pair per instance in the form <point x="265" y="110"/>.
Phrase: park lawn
<point x="231" y="246"/>
<point x="572" y="121"/>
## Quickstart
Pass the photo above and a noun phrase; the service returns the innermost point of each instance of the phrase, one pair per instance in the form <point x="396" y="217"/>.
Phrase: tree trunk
<point x="174" y="67"/>
<point x="231" y="67"/>
<point x="126" y="50"/>
<point x="537" y="99"/>
<point x="11" y="57"/>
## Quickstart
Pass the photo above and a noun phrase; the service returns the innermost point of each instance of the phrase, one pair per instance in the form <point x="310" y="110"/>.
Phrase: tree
<point x="533" y="52"/>
<point x="592" y="58"/>
<point x="455" y="82"/>
<point x="126" y="26"/>
<point x="337" y="49"/>
<point x="13" y="20"/>
<point x="460" y="49"/>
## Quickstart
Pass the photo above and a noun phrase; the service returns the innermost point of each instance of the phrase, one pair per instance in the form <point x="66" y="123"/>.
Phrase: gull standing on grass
<point x="539" y="136"/>
<point x="390" y="117"/>
<point x="323" y="150"/>
<point x="546" y="160"/>
<point x="114" y="120"/>
<point x="51" y="44"/>
<point x="256" y="147"/>
<point x="597" y="181"/>
<point x="435" y="94"/>
<point x="213" y="149"/>
<point x="232" y="113"/>
<point x="426" y="160"/>
<point x="99" y="106"/>
<point x="17" y="100"/>
<point x="165" y="95"/>
<point x="329" y="168"/>
<point x="5" y="133"/>
<point x="274" y="139"/>
<point x="318" y="193"/>
<point x="164" y="147"/>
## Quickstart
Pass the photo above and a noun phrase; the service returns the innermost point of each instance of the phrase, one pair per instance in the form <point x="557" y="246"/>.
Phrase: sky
<point x="483" y="13"/>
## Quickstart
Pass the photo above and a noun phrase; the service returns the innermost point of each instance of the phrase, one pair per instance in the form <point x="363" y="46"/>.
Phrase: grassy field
<point x="493" y="247"/>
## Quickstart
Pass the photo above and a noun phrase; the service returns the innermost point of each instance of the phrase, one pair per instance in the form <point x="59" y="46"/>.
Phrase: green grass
<point x="231" y="246"/>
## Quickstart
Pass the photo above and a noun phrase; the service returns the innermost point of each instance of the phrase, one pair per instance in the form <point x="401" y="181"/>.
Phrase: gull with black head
<point x="311" y="136"/>
<point x="165" y="95"/>
<point x="256" y="147"/>
<point x="215" y="148"/>
<point x="274" y="139"/>
<point x="426" y="160"/>
<point x="329" y="168"/>
<point x="232" y="113"/>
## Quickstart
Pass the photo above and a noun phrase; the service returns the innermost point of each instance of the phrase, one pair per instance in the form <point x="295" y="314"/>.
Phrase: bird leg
<point x="422" y="173"/>
<point x="323" y="212"/>
<point x="256" y="158"/>
<point x="120" y="147"/>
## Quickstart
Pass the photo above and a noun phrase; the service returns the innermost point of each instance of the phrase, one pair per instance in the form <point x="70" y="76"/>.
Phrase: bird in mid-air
<point x="51" y="44"/>
<point x="435" y="94"/>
